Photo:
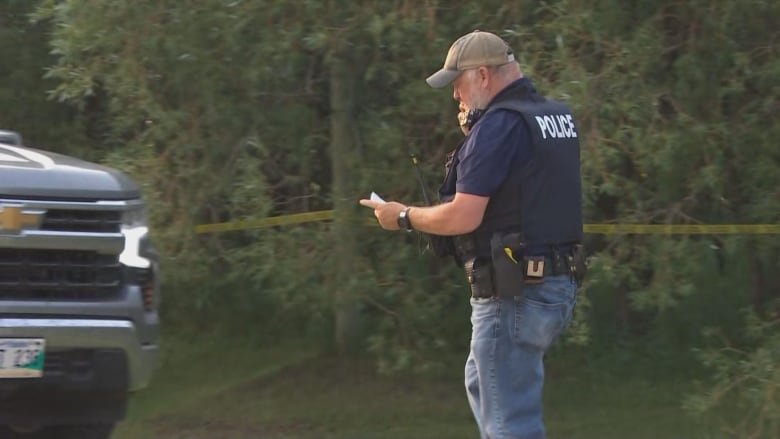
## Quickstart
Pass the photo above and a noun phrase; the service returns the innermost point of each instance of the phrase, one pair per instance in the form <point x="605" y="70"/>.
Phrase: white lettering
<point x="562" y="122"/>
<point x="558" y="126"/>
<point x="540" y="121"/>
<point x="571" y="124"/>
<point x="550" y="126"/>
<point x="558" y="129"/>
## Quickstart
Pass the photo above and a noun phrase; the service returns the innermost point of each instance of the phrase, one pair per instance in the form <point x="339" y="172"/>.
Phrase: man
<point x="511" y="215"/>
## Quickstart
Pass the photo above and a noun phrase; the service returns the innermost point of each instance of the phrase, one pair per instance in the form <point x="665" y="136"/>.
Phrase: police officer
<point x="511" y="215"/>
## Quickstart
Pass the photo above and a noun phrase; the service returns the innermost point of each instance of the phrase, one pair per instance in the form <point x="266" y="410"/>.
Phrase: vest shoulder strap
<point x="520" y="106"/>
<point x="537" y="105"/>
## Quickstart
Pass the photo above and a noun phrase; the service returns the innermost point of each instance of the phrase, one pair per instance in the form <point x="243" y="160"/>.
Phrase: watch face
<point x="403" y="220"/>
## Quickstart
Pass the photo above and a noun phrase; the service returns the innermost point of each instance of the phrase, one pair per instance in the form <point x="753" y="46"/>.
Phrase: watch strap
<point x="403" y="220"/>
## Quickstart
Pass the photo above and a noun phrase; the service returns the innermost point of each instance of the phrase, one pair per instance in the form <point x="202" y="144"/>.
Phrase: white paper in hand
<point x="377" y="198"/>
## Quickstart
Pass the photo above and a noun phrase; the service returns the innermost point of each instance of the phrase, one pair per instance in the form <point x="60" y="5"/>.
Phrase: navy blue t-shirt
<point x="498" y="141"/>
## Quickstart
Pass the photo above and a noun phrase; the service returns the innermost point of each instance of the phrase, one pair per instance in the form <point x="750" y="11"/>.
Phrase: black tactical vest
<point x="542" y="198"/>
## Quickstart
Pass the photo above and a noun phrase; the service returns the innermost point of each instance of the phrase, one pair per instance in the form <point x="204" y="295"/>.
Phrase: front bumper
<point x="90" y="334"/>
<point x="79" y="386"/>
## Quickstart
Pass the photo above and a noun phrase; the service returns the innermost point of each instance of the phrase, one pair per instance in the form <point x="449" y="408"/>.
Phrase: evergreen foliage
<point x="231" y="110"/>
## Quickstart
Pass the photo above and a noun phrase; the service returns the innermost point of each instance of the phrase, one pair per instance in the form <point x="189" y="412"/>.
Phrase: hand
<point x="387" y="213"/>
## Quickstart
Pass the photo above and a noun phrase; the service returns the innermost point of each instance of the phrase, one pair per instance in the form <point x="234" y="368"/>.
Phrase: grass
<point x="232" y="391"/>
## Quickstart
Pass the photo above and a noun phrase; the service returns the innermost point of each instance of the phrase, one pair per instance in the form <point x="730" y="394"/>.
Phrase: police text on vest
<point x="556" y="125"/>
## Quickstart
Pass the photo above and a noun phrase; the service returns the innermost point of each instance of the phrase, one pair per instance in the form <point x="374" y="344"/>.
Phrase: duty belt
<point x="479" y="273"/>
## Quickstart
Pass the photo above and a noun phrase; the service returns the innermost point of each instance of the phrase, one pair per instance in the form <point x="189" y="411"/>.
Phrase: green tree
<point x="24" y="103"/>
<point x="235" y="110"/>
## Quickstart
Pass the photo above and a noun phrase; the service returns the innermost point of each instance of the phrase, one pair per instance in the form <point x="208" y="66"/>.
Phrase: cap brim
<point x="442" y="78"/>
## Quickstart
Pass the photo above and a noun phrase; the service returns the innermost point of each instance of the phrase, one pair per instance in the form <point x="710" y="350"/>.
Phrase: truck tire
<point x="76" y="431"/>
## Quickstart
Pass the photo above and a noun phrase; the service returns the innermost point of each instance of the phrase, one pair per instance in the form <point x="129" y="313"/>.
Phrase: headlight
<point x="134" y="218"/>
<point x="135" y="230"/>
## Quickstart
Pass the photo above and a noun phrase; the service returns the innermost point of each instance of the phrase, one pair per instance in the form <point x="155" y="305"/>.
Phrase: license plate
<point x="21" y="357"/>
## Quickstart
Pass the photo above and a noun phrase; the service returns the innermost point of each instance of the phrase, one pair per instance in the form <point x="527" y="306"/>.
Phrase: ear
<point x="484" y="76"/>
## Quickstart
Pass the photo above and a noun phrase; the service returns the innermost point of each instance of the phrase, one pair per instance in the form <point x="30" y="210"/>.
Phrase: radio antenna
<point x="420" y="179"/>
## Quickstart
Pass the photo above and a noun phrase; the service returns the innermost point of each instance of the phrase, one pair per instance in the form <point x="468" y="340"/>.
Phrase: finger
<point x="369" y="203"/>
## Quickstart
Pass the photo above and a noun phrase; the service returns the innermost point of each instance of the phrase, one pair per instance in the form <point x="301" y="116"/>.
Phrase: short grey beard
<point x="481" y="103"/>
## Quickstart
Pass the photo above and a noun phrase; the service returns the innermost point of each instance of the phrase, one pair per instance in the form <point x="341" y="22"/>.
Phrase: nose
<point x="455" y="94"/>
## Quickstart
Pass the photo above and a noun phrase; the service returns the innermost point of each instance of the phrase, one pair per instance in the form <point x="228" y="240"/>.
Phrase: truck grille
<point x="58" y="275"/>
<point x="92" y="221"/>
<point x="73" y="362"/>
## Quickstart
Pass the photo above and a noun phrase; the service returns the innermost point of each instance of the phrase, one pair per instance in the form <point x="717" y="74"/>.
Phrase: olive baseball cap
<point x="469" y="52"/>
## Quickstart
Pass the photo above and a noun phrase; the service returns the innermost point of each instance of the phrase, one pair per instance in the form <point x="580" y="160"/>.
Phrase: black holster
<point x="506" y="254"/>
<point x="578" y="263"/>
<point x="480" y="278"/>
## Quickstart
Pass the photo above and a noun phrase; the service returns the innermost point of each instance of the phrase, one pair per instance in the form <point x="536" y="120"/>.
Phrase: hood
<point x="27" y="172"/>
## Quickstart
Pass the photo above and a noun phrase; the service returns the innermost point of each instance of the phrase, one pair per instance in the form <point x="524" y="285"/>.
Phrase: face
<point x="469" y="92"/>
<point x="468" y="89"/>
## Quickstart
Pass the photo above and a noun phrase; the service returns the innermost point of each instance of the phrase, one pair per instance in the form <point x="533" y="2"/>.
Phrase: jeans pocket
<point x="538" y="324"/>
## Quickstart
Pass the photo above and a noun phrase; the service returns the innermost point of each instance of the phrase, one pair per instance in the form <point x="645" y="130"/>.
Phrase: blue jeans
<point x="505" y="370"/>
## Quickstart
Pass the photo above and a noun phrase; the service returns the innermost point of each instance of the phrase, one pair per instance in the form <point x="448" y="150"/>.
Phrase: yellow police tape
<point x="261" y="223"/>
<point x="599" y="229"/>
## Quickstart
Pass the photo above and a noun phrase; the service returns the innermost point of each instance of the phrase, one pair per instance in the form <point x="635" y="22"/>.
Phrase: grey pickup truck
<point x="78" y="295"/>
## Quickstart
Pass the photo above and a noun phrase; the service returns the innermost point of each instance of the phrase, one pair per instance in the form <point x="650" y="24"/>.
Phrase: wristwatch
<point x="403" y="220"/>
